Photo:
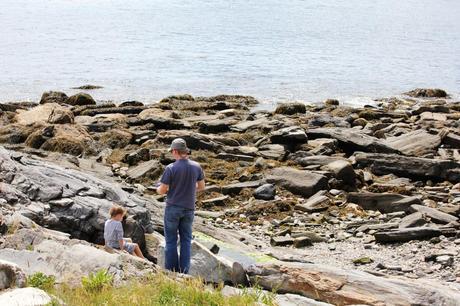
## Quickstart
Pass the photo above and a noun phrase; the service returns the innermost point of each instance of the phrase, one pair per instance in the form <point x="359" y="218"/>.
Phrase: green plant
<point x="30" y="247"/>
<point x="95" y="282"/>
<point x="40" y="280"/>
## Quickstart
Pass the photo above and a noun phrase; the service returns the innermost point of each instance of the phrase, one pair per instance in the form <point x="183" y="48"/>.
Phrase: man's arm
<point x="200" y="185"/>
<point x="122" y="243"/>
<point x="163" y="188"/>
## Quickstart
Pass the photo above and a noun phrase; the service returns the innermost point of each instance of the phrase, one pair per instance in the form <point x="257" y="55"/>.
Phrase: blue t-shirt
<point x="181" y="177"/>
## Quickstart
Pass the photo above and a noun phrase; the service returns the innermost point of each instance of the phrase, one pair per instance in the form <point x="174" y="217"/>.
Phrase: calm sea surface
<point x="275" y="50"/>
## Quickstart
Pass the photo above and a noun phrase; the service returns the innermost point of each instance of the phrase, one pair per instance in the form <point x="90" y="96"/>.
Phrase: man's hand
<point x="162" y="189"/>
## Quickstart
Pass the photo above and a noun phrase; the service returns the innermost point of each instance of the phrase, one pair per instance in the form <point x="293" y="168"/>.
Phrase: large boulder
<point x="80" y="99"/>
<point x="289" y="135"/>
<point x="299" y="182"/>
<point x="15" y="133"/>
<point x="291" y="108"/>
<point x="53" y="97"/>
<point x="70" y="139"/>
<point x="427" y="93"/>
<point x="346" y="287"/>
<point x="72" y="201"/>
<point x="46" y="113"/>
<point x="53" y="253"/>
<point x="115" y="138"/>
<point x="410" y="167"/>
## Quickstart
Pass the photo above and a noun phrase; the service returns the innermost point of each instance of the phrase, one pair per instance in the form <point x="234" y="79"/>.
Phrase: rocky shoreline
<point x="307" y="187"/>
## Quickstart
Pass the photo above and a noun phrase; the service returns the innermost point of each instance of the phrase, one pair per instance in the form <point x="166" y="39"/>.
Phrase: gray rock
<point x="11" y="275"/>
<point x="67" y="259"/>
<point x="407" y="234"/>
<point x="413" y="220"/>
<point x="281" y="241"/>
<point x="291" y="108"/>
<point x="85" y="202"/>
<point x="411" y="167"/>
<point x="265" y="192"/>
<point x="434" y="214"/>
<point x="415" y="143"/>
<point x="273" y="151"/>
<point x="150" y="169"/>
<point x="235" y="157"/>
<point x="296" y="181"/>
<point x="219" y="201"/>
<point x="289" y="135"/>
<point x="351" y="140"/>
<point x="342" y="287"/>
<point x="25" y="297"/>
<point x="383" y="202"/>
<point x="427" y="93"/>
<point x="53" y="97"/>
<point x="237" y="187"/>
<point x="315" y="203"/>
<point x="301" y="242"/>
<point x="80" y="99"/>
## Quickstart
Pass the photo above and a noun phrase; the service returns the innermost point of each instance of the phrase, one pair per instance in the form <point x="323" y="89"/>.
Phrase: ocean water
<point x="306" y="50"/>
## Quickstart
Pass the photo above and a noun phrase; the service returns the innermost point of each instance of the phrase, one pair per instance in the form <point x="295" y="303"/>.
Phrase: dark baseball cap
<point x="179" y="144"/>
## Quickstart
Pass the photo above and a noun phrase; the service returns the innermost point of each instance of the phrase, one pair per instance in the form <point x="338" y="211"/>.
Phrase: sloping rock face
<point x="68" y="200"/>
<point x="411" y="167"/>
<point x="345" y="287"/>
<point x="53" y="253"/>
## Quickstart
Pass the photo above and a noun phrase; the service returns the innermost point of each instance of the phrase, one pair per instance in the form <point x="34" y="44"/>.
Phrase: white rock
<point x="25" y="297"/>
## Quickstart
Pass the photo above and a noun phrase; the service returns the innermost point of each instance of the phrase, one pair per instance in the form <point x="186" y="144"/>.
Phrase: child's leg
<point x="137" y="251"/>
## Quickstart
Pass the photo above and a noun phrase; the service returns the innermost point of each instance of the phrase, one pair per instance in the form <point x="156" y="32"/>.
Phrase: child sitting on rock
<point x="113" y="233"/>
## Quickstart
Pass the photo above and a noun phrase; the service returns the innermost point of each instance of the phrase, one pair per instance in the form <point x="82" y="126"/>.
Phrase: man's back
<point x="181" y="177"/>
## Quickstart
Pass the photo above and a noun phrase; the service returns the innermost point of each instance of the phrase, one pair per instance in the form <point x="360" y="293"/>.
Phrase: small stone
<point x="302" y="242"/>
<point x="281" y="241"/>
<point x="363" y="261"/>
<point x="445" y="260"/>
<point x="215" y="249"/>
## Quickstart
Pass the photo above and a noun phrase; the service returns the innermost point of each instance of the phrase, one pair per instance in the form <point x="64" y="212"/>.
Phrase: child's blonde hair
<point x="116" y="210"/>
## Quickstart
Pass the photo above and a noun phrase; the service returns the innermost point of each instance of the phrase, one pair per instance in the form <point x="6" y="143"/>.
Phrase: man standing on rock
<point x="180" y="181"/>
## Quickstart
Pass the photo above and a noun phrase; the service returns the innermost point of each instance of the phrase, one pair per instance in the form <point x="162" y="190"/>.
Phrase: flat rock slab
<point x="413" y="220"/>
<point x="315" y="203"/>
<point x="411" y="167"/>
<point x="435" y="215"/>
<point x="237" y="187"/>
<point x="299" y="182"/>
<point x="346" y="287"/>
<point x="383" y="202"/>
<point x="407" y="234"/>
<point x="351" y="140"/>
<point x="415" y="143"/>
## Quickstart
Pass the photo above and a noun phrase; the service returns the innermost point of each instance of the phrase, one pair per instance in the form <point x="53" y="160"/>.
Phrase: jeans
<point x="178" y="220"/>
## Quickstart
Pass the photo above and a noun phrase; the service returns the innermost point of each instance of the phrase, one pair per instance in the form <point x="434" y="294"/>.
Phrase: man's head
<point x="117" y="212"/>
<point x="179" y="148"/>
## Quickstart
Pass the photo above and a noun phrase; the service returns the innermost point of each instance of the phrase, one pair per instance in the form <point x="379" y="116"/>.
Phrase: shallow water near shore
<point x="276" y="50"/>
